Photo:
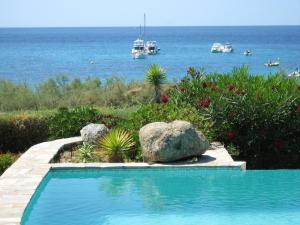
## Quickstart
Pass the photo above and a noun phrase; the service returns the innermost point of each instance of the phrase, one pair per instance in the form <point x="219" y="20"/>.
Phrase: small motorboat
<point x="227" y="48"/>
<point x="272" y="64"/>
<point x="296" y="73"/>
<point x="247" y="52"/>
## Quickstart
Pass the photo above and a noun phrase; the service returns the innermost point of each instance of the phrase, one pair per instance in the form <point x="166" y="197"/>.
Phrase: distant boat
<point x="296" y="73"/>
<point x="247" y="52"/>
<point x="151" y="48"/>
<point x="272" y="64"/>
<point x="220" y="48"/>
<point x="138" y="49"/>
<point x="217" y="48"/>
<point x="227" y="48"/>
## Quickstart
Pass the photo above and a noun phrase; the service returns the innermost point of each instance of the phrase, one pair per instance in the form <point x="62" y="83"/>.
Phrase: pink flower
<point x="238" y="93"/>
<point x="298" y="108"/>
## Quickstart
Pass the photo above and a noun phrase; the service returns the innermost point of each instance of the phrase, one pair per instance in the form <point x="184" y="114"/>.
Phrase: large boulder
<point x="167" y="142"/>
<point x="92" y="132"/>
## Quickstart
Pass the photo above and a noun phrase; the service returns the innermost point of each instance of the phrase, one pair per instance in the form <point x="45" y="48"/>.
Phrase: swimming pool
<point x="184" y="196"/>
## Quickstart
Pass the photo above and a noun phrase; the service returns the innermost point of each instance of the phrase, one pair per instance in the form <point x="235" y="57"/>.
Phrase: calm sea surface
<point x="35" y="54"/>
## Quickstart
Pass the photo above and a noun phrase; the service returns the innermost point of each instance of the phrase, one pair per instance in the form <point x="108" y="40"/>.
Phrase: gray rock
<point x="167" y="142"/>
<point x="92" y="132"/>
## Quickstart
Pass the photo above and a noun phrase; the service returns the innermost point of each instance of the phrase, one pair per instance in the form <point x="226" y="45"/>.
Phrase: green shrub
<point x="86" y="153"/>
<point x="165" y="112"/>
<point x="6" y="160"/>
<point x="259" y="115"/>
<point x="68" y="122"/>
<point x="18" y="133"/>
<point x="116" y="145"/>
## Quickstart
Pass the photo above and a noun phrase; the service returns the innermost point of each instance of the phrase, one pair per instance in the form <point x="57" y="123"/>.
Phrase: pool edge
<point x="19" y="183"/>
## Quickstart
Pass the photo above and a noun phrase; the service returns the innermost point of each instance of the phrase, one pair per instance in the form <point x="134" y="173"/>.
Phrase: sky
<point x="97" y="13"/>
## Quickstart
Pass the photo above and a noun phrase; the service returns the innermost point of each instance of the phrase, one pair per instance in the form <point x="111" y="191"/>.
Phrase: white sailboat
<point x="141" y="48"/>
<point x="138" y="49"/>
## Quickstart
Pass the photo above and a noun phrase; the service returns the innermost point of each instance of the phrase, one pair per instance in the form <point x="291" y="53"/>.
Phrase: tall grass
<point x="65" y="92"/>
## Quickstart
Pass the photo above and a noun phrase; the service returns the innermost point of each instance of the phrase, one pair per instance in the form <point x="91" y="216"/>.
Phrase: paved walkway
<point x="19" y="182"/>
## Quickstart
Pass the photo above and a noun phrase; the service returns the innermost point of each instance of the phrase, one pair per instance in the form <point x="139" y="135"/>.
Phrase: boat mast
<point x="144" y="33"/>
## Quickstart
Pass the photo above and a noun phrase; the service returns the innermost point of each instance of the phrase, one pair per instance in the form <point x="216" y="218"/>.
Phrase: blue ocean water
<point x="35" y="54"/>
<point x="166" y="196"/>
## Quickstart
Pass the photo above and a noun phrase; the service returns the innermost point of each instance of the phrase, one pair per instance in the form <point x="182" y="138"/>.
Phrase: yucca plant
<point x="156" y="76"/>
<point x="86" y="153"/>
<point x="116" y="144"/>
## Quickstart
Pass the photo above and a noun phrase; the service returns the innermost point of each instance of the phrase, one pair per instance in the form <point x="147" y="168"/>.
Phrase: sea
<point x="33" y="55"/>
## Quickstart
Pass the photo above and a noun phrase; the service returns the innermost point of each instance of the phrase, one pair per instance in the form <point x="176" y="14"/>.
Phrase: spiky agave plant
<point x="115" y="144"/>
<point x="156" y="76"/>
<point x="86" y="153"/>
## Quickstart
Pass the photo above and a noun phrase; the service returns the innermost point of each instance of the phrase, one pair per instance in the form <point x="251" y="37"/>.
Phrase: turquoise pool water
<point x="166" y="196"/>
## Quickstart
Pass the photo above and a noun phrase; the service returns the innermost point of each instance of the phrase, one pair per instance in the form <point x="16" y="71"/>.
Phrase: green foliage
<point x="117" y="145"/>
<point x="163" y="113"/>
<point x="68" y="122"/>
<point x="6" y="160"/>
<point x="18" y="133"/>
<point x="156" y="76"/>
<point x="86" y="153"/>
<point x="65" y="92"/>
<point x="256" y="114"/>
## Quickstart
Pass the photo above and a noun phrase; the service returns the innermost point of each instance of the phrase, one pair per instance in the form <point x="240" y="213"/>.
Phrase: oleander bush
<point x="18" y="133"/>
<point x="6" y="160"/>
<point x="259" y="116"/>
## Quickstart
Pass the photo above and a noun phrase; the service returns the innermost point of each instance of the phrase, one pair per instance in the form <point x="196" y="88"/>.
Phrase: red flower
<point x="204" y="85"/>
<point x="238" y="93"/>
<point x="109" y="126"/>
<point x="230" y="134"/>
<point x="298" y="108"/>
<point x="230" y="87"/>
<point x="205" y="103"/>
<point x="164" y="98"/>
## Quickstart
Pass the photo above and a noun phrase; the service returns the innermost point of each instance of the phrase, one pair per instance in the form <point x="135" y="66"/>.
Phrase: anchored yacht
<point x="138" y="49"/>
<point x="217" y="48"/>
<point x="227" y="48"/>
<point x="151" y="48"/>
<point x="220" y="48"/>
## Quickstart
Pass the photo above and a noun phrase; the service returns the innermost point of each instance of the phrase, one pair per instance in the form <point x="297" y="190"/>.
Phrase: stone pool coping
<point x="19" y="182"/>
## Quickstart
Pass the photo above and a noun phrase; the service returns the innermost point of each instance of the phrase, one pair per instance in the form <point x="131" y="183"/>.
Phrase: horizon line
<point x="267" y="25"/>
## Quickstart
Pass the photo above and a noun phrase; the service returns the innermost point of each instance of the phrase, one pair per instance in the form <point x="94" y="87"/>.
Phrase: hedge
<point x="20" y="132"/>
